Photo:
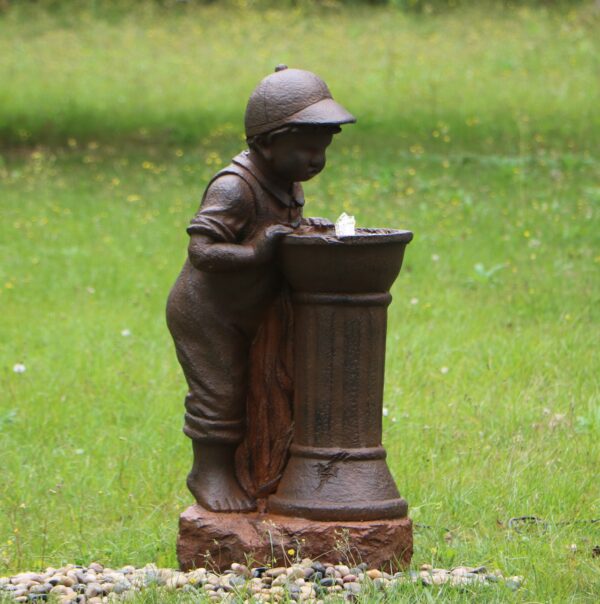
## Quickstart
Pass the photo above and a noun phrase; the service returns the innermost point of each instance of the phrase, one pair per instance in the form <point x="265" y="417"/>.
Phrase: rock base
<point x="210" y="539"/>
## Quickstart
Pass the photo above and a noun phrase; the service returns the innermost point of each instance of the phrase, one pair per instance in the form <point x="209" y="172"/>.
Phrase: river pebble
<point x="306" y="581"/>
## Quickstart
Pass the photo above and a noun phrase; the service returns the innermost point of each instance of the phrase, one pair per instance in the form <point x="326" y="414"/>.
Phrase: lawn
<point x="478" y="130"/>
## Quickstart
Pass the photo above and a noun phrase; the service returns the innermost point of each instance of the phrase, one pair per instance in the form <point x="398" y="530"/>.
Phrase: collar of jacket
<point x="291" y="201"/>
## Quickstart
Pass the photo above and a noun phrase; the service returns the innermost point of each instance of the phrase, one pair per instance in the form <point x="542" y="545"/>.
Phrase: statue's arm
<point x="218" y="231"/>
<point x="207" y="255"/>
<point x="317" y="222"/>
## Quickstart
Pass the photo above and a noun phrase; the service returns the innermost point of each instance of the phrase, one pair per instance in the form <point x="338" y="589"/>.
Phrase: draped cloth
<point x="262" y="455"/>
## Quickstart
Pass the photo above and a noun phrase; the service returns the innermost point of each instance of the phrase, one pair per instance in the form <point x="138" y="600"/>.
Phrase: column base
<point x="216" y="540"/>
<point x="338" y="485"/>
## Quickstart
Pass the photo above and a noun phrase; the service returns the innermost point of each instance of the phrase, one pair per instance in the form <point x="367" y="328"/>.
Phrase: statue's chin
<point x="309" y="175"/>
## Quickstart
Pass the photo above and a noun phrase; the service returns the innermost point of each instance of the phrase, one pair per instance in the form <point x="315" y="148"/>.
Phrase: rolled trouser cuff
<point x="217" y="431"/>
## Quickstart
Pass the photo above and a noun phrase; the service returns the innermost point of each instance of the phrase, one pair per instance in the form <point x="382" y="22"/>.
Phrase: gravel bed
<point x="306" y="581"/>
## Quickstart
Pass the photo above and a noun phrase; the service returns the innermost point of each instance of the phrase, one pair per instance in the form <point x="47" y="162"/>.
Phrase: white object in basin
<point x="345" y="226"/>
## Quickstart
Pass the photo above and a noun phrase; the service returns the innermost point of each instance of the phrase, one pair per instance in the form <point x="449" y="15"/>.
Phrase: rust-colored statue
<point x="231" y="280"/>
<point x="280" y="328"/>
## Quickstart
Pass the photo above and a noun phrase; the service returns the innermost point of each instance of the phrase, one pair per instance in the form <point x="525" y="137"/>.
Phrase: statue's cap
<point x="292" y="96"/>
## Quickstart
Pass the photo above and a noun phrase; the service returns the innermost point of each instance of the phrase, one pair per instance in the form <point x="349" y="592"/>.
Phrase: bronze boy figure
<point x="230" y="279"/>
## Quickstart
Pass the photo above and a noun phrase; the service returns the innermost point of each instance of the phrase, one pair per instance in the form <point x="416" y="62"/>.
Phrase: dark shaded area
<point x="188" y="128"/>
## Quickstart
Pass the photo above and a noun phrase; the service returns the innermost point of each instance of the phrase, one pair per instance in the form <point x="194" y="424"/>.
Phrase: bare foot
<point x="212" y="480"/>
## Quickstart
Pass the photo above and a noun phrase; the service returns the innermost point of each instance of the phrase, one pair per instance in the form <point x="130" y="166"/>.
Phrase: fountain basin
<point x="318" y="261"/>
<point x="337" y="469"/>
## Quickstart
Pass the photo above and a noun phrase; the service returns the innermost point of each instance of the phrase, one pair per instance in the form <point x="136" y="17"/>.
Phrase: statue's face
<point x="300" y="155"/>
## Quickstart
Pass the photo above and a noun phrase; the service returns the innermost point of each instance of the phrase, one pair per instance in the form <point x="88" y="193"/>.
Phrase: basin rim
<point x="363" y="236"/>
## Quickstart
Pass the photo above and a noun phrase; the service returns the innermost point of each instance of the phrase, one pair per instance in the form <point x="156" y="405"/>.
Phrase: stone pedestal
<point x="216" y="540"/>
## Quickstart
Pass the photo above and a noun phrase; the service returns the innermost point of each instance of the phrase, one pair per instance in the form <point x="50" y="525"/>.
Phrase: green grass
<point x="501" y="285"/>
<point x="486" y="78"/>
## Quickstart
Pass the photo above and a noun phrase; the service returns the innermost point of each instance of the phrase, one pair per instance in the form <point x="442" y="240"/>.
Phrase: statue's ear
<point x="263" y="144"/>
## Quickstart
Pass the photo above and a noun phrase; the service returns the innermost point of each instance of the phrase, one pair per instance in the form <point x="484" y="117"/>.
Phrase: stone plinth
<point x="218" y="539"/>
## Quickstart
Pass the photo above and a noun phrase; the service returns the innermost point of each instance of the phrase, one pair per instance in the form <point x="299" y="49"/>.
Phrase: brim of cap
<point x="326" y="112"/>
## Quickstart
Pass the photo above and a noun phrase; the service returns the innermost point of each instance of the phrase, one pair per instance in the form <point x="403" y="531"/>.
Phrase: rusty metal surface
<point x="292" y="96"/>
<point x="337" y="469"/>
<point x="280" y="327"/>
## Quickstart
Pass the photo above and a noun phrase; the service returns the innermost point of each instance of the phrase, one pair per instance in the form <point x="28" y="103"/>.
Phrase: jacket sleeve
<point x="227" y="212"/>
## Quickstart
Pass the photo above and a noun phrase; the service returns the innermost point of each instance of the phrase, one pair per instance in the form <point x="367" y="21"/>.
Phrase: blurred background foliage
<point x="487" y="75"/>
<point x="478" y="129"/>
<point x="427" y="6"/>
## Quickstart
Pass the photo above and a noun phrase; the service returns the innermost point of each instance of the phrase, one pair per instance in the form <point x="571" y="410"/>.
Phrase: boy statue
<point x="227" y="311"/>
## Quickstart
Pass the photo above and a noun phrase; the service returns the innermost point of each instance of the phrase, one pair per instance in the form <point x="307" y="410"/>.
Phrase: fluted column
<point x="337" y="468"/>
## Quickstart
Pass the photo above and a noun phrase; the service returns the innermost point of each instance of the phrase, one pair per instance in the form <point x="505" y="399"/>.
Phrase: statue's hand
<point x="319" y="223"/>
<point x="267" y="241"/>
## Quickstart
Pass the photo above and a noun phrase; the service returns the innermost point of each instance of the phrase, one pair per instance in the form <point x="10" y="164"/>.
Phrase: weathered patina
<point x="280" y="328"/>
<point x="231" y="285"/>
